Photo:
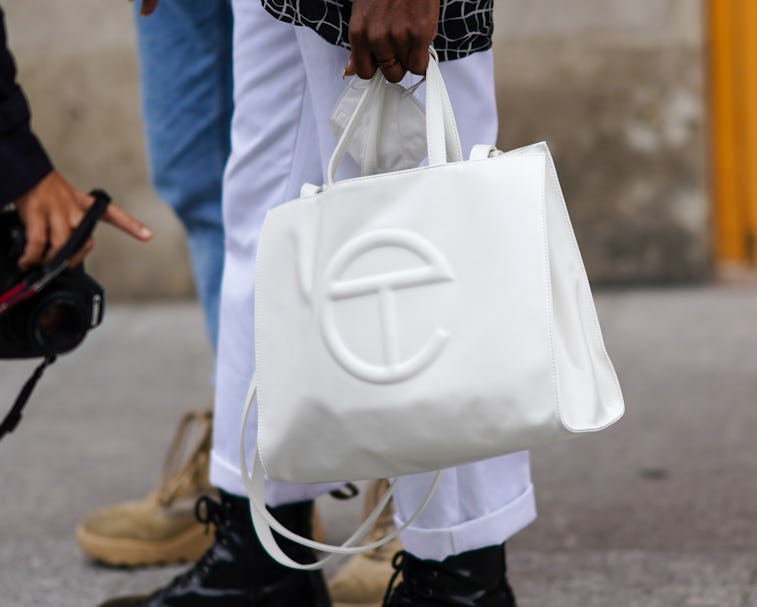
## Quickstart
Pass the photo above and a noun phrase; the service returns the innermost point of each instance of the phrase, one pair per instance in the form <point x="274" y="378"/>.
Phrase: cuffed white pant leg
<point x="273" y="152"/>
<point x="479" y="504"/>
<point x="476" y="505"/>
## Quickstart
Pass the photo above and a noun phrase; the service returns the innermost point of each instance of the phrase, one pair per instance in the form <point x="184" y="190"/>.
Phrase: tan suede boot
<point x="363" y="579"/>
<point x="161" y="528"/>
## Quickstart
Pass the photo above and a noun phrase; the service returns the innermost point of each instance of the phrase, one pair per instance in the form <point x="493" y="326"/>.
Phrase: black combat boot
<point x="472" y="579"/>
<point x="236" y="571"/>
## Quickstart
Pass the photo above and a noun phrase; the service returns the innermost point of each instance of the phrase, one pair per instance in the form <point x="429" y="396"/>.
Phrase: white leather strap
<point x="265" y="523"/>
<point x="442" y="137"/>
<point x="441" y="128"/>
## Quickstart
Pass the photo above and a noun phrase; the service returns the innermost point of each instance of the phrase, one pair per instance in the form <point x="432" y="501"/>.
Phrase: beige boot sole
<point x="187" y="547"/>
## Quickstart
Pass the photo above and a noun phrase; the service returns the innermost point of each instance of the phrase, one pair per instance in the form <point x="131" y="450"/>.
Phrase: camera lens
<point x="59" y="323"/>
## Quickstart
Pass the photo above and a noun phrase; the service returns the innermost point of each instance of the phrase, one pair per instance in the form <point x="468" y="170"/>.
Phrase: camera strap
<point x="14" y="415"/>
<point x="35" y="282"/>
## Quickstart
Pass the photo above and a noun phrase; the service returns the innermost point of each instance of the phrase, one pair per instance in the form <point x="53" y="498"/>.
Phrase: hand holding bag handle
<point x="443" y="142"/>
<point x="442" y="137"/>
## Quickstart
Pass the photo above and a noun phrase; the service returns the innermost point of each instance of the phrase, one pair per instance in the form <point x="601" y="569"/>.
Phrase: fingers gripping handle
<point x="442" y="137"/>
<point x="265" y="523"/>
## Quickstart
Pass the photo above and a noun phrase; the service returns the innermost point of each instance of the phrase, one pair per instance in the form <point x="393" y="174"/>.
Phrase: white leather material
<point x="391" y="136"/>
<point x="426" y="318"/>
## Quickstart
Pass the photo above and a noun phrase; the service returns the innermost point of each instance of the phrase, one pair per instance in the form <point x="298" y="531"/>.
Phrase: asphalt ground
<point x="659" y="511"/>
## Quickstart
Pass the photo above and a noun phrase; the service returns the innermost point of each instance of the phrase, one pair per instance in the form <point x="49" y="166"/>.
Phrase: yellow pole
<point x="727" y="183"/>
<point x="747" y="20"/>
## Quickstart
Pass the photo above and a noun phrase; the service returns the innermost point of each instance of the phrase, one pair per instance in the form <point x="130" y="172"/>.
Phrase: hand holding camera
<point x="47" y="301"/>
<point x="47" y="310"/>
<point x="52" y="209"/>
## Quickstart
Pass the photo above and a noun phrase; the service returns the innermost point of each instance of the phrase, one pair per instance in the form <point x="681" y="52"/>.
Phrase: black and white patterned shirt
<point x="465" y="26"/>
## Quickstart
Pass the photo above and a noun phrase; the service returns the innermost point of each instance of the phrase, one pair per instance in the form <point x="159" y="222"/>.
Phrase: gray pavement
<point x="660" y="511"/>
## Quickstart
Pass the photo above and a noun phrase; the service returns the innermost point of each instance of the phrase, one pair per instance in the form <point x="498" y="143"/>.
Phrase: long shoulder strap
<point x="265" y="523"/>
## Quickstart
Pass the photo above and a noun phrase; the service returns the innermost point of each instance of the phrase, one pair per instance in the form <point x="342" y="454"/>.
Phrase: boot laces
<point x="399" y="597"/>
<point x="186" y="460"/>
<point x="414" y="591"/>
<point x="208" y="512"/>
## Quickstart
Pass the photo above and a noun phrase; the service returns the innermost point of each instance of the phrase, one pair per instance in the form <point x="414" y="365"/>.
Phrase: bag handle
<point x="442" y="137"/>
<point x="264" y="522"/>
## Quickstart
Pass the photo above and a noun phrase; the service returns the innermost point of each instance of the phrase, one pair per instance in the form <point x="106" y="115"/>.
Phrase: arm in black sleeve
<point x="23" y="162"/>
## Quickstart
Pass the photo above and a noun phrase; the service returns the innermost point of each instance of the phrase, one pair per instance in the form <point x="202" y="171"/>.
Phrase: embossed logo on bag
<point x="434" y="269"/>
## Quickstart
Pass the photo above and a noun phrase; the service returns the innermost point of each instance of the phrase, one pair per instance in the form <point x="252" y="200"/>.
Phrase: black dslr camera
<point x="48" y="310"/>
<point x="53" y="320"/>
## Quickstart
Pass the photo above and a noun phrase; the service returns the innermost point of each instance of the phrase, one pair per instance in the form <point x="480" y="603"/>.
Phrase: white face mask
<point x="392" y="133"/>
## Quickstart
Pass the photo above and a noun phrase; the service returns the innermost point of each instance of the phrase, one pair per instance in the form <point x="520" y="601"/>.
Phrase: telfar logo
<point x="434" y="269"/>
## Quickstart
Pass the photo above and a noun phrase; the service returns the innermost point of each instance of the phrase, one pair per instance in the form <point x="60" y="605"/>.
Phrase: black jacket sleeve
<point x="23" y="162"/>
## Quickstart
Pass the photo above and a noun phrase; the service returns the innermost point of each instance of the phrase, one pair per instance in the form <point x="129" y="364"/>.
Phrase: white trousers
<point x="286" y="82"/>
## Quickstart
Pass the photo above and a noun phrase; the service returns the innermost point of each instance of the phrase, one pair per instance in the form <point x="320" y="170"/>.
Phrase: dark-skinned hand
<point x="393" y="35"/>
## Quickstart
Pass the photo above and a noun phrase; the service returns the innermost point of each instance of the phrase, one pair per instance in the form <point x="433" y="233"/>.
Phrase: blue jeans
<point x="186" y="75"/>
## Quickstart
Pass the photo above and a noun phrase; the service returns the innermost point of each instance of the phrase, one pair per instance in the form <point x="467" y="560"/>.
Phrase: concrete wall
<point x="616" y="87"/>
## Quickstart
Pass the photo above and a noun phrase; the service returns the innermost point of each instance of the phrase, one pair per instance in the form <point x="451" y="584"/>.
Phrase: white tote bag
<point x="421" y="319"/>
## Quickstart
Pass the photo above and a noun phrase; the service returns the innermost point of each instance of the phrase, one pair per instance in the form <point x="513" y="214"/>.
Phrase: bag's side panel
<point x="590" y="396"/>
